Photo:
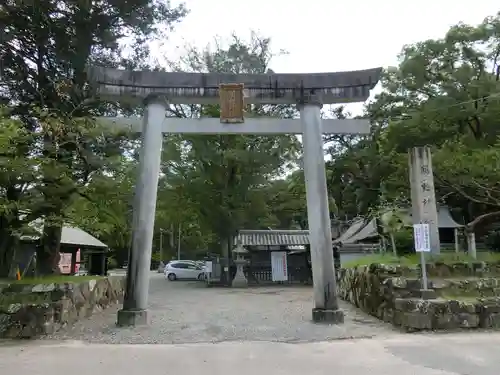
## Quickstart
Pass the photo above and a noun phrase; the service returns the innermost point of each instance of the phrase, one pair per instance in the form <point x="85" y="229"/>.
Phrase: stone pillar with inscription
<point x="423" y="197"/>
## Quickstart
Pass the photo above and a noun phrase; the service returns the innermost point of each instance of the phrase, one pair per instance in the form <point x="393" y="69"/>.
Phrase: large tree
<point x="46" y="46"/>
<point x="223" y="176"/>
<point x="444" y="94"/>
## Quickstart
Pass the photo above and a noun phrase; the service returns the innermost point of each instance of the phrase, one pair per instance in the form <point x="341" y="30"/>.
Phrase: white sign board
<point x="421" y="234"/>
<point x="279" y="265"/>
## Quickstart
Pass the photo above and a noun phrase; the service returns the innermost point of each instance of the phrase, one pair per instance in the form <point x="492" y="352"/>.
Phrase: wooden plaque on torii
<point x="232" y="103"/>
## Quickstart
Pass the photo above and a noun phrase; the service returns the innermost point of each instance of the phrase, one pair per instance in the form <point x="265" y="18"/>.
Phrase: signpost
<point x="421" y="234"/>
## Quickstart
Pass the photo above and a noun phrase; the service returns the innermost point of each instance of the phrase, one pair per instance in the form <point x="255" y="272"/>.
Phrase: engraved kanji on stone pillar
<point x="423" y="197"/>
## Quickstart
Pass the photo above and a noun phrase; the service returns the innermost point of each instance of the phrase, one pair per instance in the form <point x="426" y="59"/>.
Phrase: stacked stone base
<point x="27" y="311"/>
<point x="440" y="314"/>
<point x="459" y="296"/>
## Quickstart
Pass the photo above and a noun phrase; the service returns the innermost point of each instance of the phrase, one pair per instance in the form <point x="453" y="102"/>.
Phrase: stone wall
<point x="28" y="311"/>
<point x="462" y="295"/>
<point x="444" y="314"/>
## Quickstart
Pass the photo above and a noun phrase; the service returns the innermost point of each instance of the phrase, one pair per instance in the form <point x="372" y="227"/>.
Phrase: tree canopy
<point x="59" y="165"/>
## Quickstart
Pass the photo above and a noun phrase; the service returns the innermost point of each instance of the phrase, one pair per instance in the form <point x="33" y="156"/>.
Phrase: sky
<point x="324" y="35"/>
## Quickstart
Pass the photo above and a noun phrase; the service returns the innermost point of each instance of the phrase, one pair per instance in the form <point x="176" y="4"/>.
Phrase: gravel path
<point x="188" y="312"/>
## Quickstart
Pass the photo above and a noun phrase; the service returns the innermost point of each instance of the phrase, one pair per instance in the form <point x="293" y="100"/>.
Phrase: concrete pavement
<point x="432" y="354"/>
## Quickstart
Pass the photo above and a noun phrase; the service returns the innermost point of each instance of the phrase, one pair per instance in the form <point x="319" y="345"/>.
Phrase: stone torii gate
<point x="308" y="91"/>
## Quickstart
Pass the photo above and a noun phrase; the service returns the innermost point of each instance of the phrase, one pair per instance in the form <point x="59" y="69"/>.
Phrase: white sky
<point x="325" y="35"/>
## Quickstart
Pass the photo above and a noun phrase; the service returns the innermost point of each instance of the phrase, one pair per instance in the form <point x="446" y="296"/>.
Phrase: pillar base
<point x="327" y="316"/>
<point x="239" y="282"/>
<point x="132" y="318"/>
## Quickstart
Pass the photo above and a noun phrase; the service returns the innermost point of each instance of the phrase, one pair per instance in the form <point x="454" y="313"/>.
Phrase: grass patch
<point x="414" y="259"/>
<point x="56" y="279"/>
<point x="378" y="258"/>
<point x="468" y="299"/>
<point x="31" y="298"/>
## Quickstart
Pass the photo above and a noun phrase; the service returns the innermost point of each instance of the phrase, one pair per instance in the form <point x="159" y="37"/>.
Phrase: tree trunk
<point x="470" y="231"/>
<point x="472" y="225"/>
<point x="393" y="244"/>
<point x="7" y="252"/>
<point x="457" y="240"/>
<point x="471" y="245"/>
<point x="383" y="245"/>
<point x="48" y="256"/>
<point x="380" y="232"/>
<point x="8" y="244"/>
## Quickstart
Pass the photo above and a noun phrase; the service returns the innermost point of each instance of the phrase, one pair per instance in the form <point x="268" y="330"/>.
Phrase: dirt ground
<point x="188" y="312"/>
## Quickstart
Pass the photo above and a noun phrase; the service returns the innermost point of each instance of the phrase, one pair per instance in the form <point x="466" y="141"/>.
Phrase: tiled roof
<point x="278" y="237"/>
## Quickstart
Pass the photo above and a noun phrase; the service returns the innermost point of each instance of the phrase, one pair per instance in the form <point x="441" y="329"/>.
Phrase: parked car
<point x="184" y="270"/>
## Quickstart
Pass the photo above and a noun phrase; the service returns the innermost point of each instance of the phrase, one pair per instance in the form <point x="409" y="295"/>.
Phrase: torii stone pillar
<point x="135" y="302"/>
<point x="308" y="90"/>
<point x="318" y="214"/>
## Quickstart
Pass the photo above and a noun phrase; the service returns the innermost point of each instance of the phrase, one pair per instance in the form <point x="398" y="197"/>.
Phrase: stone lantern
<point x="240" y="281"/>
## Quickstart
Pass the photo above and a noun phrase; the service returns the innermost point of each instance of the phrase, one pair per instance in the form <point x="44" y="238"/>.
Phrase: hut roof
<point x="70" y="236"/>
<point x="368" y="231"/>
<point x="355" y="227"/>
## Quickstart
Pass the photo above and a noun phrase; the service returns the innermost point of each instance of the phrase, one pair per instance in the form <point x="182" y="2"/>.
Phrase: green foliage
<point x="56" y="163"/>
<point x="444" y="94"/>
<point x="53" y="279"/>
<point x="156" y="256"/>
<point x="218" y="184"/>
<point x="112" y="263"/>
<point x="404" y="242"/>
<point x="492" y="240"/>
<point x="414" y="260"/>
<point x="51" y="149"/>
<point x="105" y="210"/>
<point x="380" y="259"/>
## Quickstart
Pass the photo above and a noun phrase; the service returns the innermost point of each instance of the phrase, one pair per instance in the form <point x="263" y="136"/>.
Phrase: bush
<point x="404" y="242"/>
<point x="492" y="240"/>
<point x="112" y="263"/>
<point x="156" y="256"/>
